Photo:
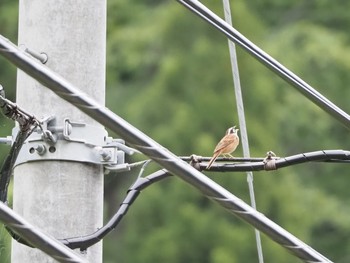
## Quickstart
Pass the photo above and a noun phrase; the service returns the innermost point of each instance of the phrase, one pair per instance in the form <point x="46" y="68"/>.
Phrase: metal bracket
<point x="42" y="56"/>
<point x="72" y="141"/>
<point x="6" y="140"/>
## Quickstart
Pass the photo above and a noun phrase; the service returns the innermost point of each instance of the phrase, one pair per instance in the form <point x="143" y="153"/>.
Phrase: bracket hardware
<point x="74" y="142"/>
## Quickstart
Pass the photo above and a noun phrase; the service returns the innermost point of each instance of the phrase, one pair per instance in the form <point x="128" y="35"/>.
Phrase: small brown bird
<point x="226" y="146"/>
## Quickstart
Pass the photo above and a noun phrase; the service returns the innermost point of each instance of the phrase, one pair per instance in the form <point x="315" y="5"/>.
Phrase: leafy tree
<point x="169" y="74"/>
<point x="192" y="98"/>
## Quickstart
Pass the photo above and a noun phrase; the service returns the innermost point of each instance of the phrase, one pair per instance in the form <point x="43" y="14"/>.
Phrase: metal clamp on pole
<point x="74" y="142"/>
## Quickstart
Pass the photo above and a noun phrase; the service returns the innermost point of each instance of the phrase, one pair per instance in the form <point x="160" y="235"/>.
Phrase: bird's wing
<point x="224" y="143"/>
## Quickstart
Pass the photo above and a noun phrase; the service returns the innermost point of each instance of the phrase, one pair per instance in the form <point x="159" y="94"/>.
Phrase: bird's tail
<point x="212" y="160"/>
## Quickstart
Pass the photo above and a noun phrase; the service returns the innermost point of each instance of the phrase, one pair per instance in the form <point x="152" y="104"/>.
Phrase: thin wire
<point x="143" y="168"/>
<point x="84" y="242"/>
<point x="306" y="90"/>
<point x="160" y="155"/>
<point x="137" y="164"/>
<point x="36" y="237"/>
<point x="242" y="123"/>
<point x="271" y="163"/>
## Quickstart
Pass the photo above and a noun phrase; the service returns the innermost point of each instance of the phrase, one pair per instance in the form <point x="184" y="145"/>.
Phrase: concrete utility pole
<point x="64" y="198"/>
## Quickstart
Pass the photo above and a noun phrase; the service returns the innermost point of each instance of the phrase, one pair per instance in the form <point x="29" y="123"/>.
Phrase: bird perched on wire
<point x="226" y="146"/>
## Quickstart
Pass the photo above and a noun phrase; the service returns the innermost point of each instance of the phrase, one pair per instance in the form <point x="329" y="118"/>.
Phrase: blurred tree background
<point x="168" y="73"/>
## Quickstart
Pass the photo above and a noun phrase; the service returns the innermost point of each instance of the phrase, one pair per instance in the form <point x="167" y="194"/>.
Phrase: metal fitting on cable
<point x="195" y="161"/>
<point x="270" y="161"/>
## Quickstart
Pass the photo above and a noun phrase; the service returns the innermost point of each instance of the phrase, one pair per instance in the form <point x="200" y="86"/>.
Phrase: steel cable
<point x="202" y="11"/>
<point x="84" y="242"/>
<point x="158" y="153"/>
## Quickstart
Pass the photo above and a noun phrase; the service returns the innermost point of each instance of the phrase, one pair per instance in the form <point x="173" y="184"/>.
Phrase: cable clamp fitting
<point x="195" y="161"/>
<point x="270" y="161"/>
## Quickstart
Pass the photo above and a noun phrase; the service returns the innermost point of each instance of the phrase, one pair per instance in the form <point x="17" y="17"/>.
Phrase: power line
<point x="270" y="162"/>
<point x="36" y="237"/>
<point x="304" y="88"/>
<point x="133" y="192"/>
<point x="141" y="183"/>
<point x="158" y="153"/>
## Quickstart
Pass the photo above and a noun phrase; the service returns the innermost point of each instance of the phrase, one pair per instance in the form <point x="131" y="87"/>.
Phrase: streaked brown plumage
<point x="226" y="146"/>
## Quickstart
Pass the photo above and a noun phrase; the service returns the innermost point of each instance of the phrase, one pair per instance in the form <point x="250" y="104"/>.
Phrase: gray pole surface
<point x="64" y="199"/>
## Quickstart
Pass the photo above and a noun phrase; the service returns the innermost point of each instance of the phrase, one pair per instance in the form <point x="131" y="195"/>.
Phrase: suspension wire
<point x="270" y="162"/>
<point x="85" y="242"/>
<point x="242" y="122"/>
<point x="143" y="168"/>
<point x="141" y="183"/>
<point x="133" y="192"/>
<point x="158" y="153"/>
<point x="305" y="89"/>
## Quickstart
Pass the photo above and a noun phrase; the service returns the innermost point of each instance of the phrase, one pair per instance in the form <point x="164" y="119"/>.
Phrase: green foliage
<point x="169" y="74"/>
<point x="331" y="14"/>
<point x="179" y="85"/>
